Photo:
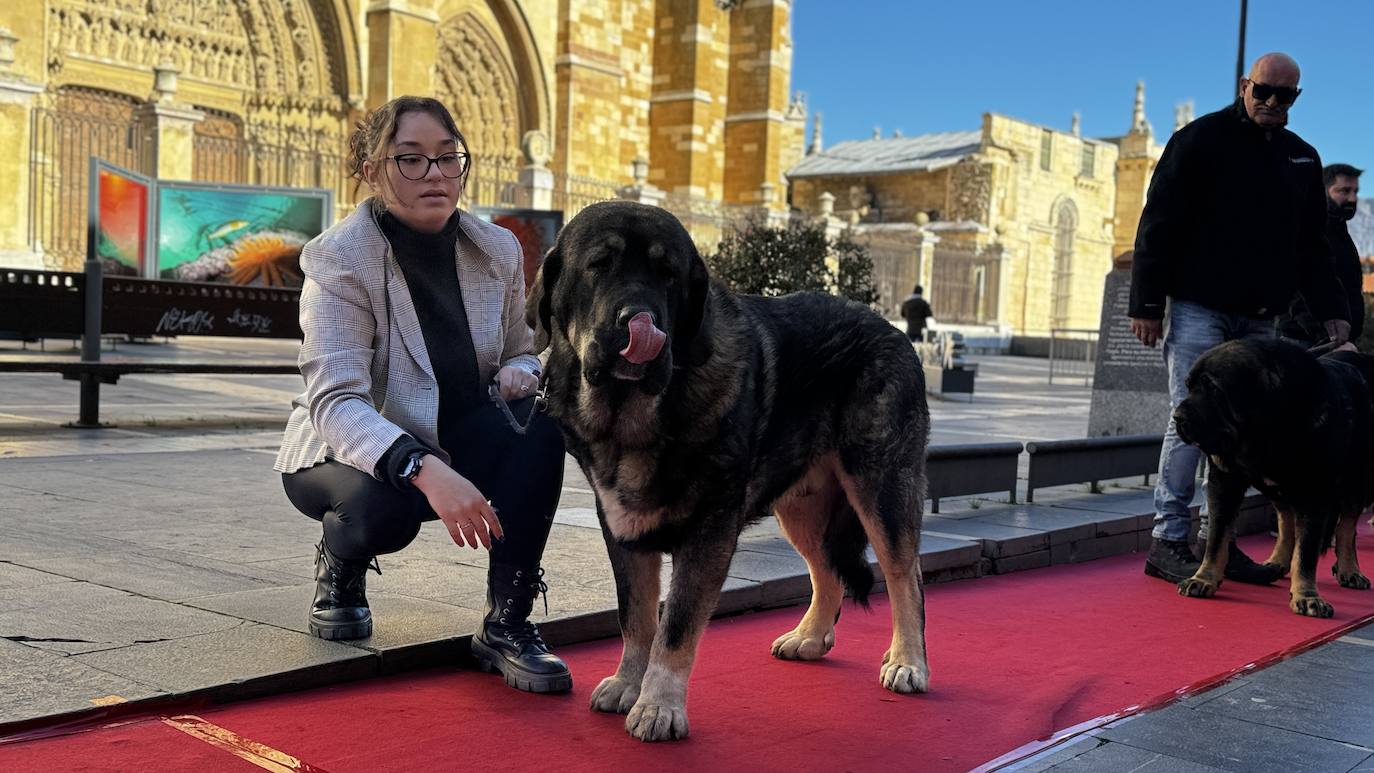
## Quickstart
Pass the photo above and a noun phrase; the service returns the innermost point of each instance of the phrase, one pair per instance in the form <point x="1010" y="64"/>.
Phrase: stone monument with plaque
<point x="1130" y="382"/>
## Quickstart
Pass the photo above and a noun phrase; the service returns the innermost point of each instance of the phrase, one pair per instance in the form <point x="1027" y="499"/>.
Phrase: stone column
<point x="925" y="254"/>
<point x="535" y="180"/>
<point x="768" y="206"/>
<point x="756" y="122"/>
<point x="168" y="128"/>
<point x="687" y="109"/>
<point x="16" y="139"/>
<point x="834" y="226"/>
<point x="401" y="35"/>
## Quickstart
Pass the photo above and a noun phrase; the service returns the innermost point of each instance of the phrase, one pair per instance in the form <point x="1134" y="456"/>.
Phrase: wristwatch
<point x="411" y="469"/>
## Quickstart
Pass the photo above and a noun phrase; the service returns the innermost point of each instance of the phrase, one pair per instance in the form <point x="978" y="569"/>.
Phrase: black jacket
<point x="1299" y="323"/>
<point x="1235" y="220"/>
<point x="915" y="310"/>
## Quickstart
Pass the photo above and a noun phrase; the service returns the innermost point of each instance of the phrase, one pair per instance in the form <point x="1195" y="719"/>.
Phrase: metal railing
<point x="86" y="123"/>
<point x="1073" y="354"/>
<point x="572" y="193"/>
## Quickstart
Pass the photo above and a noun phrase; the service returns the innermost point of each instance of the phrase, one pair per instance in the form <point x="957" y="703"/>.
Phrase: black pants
<point x="522" y="475"/>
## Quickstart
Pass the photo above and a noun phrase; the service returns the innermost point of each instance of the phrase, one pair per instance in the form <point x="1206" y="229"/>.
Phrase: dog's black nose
<point x="1181" y="427"/>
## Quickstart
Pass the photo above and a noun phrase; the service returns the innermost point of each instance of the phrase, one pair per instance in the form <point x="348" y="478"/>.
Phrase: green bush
<point x="758" y="259"/>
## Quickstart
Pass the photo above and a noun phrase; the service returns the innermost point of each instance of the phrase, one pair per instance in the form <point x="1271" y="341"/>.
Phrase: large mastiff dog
<point x="1300" y="429"/>
<point x="694" y="411"/>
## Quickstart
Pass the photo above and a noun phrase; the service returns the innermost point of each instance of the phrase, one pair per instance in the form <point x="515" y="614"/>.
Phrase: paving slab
<point x="16" y="576"/>
<point x="1062" y="525"/>
<point x="997" y="539"/>
<point x="237" y="657"/>
<point x="38" y="683"/>
<point x="397" y="620"/>
<point x="163" y="574"/>
<point x="1107" y="756"/>
<point x="1229" y="743"/>
<point x="1092" y="548"/>
<point x="1306" y="696"/>
<point x="78" y="617"/>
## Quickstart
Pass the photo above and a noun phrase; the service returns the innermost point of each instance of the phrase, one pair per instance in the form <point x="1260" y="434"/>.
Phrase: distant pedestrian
<point x="1234" y="223"/>
<point x="412" y="311"/>
<point x="1342" y="183"/>
<point x="917" y="312"/>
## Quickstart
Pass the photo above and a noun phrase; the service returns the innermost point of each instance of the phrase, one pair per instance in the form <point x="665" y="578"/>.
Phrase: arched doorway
<point x="276" y="81"/>
<point x="475" y="79"/>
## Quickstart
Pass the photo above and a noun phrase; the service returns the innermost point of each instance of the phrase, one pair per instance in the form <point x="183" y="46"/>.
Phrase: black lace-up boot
<point x="340" y="607"/>
<point x="508" y="642"/>
<point x="1171" y="560"/>
<point x="1243" y="568"/>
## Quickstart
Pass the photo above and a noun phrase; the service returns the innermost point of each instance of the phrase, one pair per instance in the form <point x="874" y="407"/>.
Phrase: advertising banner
<point x="119" y="219"/>
<point x="534" y="229"/>
<point x="237" y="234"/>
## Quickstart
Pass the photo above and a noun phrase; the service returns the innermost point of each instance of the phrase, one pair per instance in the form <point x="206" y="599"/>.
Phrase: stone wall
<point x="698" y="92"/>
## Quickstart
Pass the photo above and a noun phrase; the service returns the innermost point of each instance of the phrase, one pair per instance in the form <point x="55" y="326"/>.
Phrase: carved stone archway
<point x="282" y="74"/>
<point x="476" y="80"/>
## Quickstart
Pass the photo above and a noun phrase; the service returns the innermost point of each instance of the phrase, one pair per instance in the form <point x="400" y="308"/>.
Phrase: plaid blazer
<point x="368" y="376"/>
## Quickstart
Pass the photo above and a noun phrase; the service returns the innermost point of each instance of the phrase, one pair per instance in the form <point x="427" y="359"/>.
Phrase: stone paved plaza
<point x="159" y="559"/>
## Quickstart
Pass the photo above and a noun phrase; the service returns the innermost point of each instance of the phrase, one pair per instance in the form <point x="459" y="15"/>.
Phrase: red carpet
<point x="1013" y="659"/>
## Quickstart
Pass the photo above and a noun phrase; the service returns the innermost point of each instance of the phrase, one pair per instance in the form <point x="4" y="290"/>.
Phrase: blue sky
<point x="923" y="66"/>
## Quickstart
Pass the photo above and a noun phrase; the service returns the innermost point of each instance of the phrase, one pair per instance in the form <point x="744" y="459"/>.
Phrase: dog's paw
<point x="796" y="645"/>
<point x="1279" y="571"/>
<point x="1354" y="580"/>
<point x="651" y="722"/>
<point x="904" y="678"/>
<point x="615" y="695"/>
<point x="1198" y="588"/>
<point x="1311" y="606"/>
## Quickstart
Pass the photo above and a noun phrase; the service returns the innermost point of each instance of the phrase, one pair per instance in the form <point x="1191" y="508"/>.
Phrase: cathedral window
<point x="1088" y="160"/>
<point x="1046" y="147"/>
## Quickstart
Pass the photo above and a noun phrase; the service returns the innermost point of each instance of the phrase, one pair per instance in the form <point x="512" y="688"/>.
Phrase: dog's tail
<point x="845" y="543"/>
<point x="1329" y="531"/>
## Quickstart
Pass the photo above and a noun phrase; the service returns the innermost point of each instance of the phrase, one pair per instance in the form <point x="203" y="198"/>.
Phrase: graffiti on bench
<point x="37" y="304"/>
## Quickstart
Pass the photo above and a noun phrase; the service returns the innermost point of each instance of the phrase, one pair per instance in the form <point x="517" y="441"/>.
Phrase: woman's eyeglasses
<point x="414" y="166"/>
<point x="1286" y="95"/>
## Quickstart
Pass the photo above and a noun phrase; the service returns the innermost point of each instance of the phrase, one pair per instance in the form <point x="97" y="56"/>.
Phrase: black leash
<point x="541" y="401"/>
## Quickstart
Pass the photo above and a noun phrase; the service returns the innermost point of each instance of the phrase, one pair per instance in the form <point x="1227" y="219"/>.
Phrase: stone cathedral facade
<point x="571" y="99"/>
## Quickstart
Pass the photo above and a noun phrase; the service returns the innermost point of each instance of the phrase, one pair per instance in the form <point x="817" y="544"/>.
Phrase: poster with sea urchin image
<point x="241" y="235"/>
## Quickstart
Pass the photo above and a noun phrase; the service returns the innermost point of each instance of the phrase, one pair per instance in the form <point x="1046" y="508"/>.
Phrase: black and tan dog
<point x="694" y="411"/>
<point x="1301" y="430"/>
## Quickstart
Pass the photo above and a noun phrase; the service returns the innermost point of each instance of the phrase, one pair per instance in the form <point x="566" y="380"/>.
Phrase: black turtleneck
<point x="429" y="263"/>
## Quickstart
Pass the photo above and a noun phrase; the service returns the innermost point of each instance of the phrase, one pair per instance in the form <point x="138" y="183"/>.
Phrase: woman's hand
<point x="516" y="384"/>
<point x="466" y="514"/>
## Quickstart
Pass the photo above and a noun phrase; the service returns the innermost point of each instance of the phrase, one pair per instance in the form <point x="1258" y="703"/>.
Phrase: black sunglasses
<point x="1286" y="95"/>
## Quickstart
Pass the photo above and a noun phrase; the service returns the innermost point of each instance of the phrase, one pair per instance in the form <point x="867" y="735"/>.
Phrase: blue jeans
<point x="1189" y="330"/>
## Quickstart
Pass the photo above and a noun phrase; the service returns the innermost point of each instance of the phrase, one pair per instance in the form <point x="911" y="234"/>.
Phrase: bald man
<point x="1233" y="226"/>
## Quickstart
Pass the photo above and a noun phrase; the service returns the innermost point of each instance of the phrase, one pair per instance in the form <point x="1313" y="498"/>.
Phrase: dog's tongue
<point x="646" y="341"/>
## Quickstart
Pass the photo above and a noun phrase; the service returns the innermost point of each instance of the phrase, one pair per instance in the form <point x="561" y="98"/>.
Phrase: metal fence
<point x="1073" y="354"/>
<point x="306" y="161"/>
<point x="494" y="183"/>
<point x="81" y="123"/>
<point x="571" y="193"/>
<point x="893" y="249"/>
<point x="964" y="284"/>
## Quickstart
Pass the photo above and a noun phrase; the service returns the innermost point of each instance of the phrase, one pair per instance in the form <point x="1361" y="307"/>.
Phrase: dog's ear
<point x="692" y="333"/>
<point x="538" y="306"/>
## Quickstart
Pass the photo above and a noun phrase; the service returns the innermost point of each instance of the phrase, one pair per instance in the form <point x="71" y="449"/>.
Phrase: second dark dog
<point x="1301" y="430"/>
